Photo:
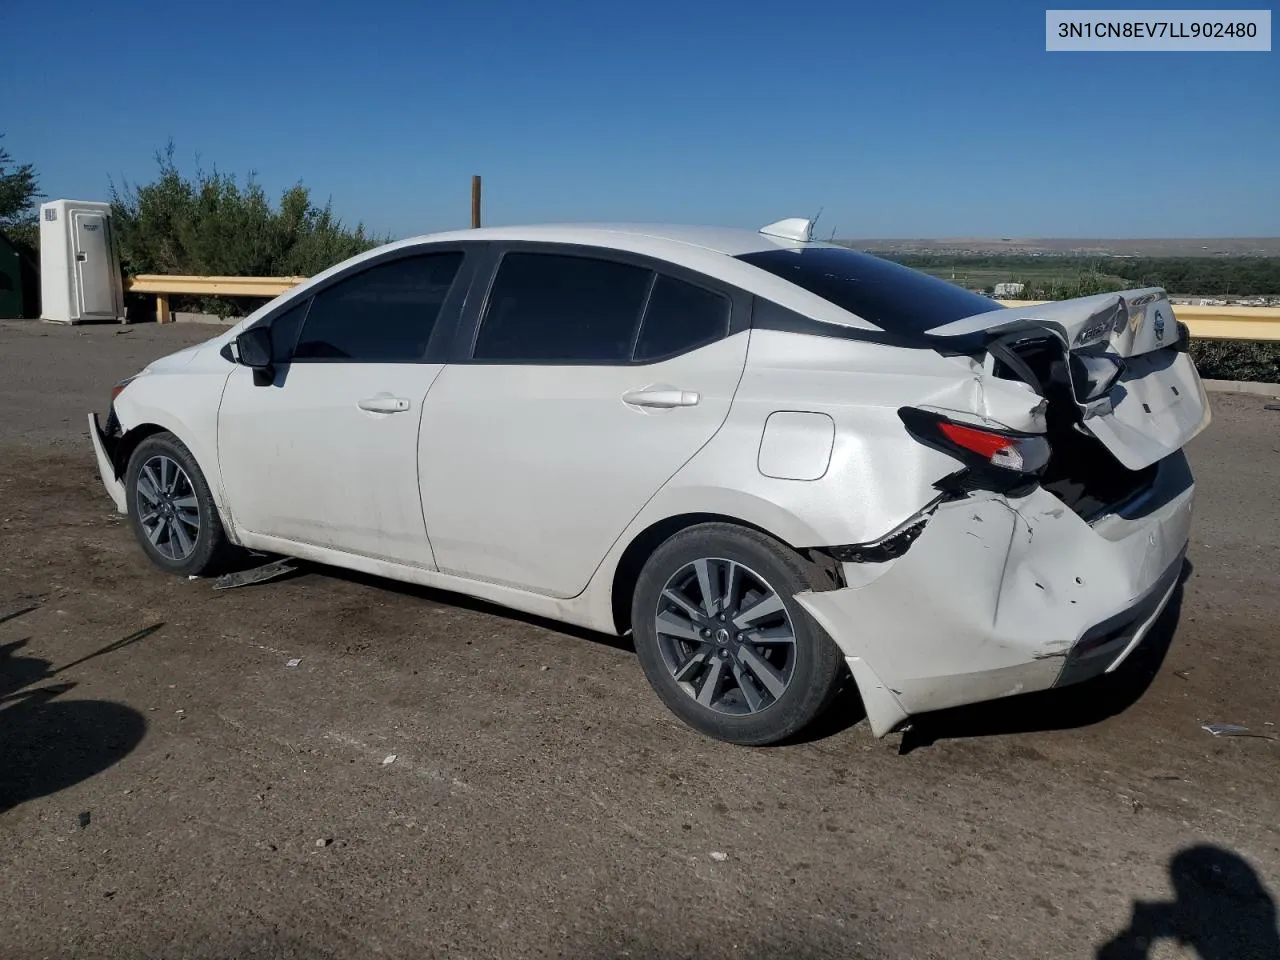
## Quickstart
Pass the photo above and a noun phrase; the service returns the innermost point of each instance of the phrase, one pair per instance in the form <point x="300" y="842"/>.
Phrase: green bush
<point x="210" y="225"/>
<point x="1237" y="360"/>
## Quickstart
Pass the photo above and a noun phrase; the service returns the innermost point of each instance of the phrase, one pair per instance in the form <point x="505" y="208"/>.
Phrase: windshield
<point x="893" y="297"/>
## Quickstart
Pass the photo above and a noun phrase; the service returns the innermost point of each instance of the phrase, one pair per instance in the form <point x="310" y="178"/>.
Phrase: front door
<point x="592" y="381"/>
<point x="327" y="454"/>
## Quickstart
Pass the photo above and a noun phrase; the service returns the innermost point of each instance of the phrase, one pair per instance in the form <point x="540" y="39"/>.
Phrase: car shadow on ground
<point x="446" y="598"/>
<point x="1064" y="708"/>
<point x="47" y="743"/>
<point x="1222" y="910"/>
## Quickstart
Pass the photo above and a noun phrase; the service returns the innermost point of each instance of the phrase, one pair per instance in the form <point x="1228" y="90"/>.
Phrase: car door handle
<point x="384" y="404"/>
<point x="661" y="397"/>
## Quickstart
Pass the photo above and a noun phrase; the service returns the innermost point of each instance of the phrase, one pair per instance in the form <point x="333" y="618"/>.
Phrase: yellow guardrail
<point x="1208" y="323"/>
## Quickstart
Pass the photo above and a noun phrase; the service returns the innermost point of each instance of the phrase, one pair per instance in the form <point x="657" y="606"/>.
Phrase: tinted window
<point x="893" y="297"/>
<point x="548" y="307"/>
<point x="680" y="317"/>
<point x="284" y="331"/>
<point x="385" y="313"/>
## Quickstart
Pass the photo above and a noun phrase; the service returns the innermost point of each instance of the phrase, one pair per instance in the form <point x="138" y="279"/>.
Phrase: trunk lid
<point x="1122" y="359"/>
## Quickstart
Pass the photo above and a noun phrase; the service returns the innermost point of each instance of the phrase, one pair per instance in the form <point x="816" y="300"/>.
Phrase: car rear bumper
<point x="1004" y="596"/>
<point x="106" y="470"/>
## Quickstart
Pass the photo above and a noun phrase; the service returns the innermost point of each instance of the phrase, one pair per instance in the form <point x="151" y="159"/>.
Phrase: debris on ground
<point x="390" y="758"/>
<point x="83" y="819"/>
<point x="1233" y="730"/>
<point x="242" y="578"/>
<point x="294" y="662"/>
<point x="719" y="857"/>
<point x="324" y="841"/>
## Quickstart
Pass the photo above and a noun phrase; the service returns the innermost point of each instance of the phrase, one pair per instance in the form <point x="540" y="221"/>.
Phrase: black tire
<point x="209" y="547"/>
<point x="813" y="675"/>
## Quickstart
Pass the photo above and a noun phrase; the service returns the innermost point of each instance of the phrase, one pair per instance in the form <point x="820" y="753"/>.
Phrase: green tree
<point x="19" y="191"/>
<point x="210" y="224"/>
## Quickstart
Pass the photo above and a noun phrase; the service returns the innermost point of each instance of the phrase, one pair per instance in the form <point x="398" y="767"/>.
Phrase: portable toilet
<point x="80" y="278"/>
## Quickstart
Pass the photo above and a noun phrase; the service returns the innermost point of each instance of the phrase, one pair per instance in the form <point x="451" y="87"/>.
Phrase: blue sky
<point x="897" y="119"/>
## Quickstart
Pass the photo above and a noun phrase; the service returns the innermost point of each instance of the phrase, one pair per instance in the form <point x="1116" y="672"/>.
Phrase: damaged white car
<point x="768" y="459"/>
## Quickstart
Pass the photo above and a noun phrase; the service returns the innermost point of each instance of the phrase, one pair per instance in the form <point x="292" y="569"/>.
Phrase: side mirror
<point x="253" y="348"/>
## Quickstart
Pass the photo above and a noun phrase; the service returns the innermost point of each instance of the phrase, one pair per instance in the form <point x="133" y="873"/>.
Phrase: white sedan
<point x="768" y="459"/>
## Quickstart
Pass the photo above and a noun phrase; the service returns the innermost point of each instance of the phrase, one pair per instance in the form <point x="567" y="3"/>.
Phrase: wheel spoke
<point x="754" y="700"/>
<point x="165" y="482"/>
<point x="184" y="538"/>
<point x="770" y="604"/>
<point x="732" y="585"/>
<point x="153" y="533"/>
<point x="690" y="667"/>
<point x="711" y="683"/>
<point x="690" y="610"/>
<point x="703" y="569"/>
<point x="781" y="634"/>
<point x="186" y="503"/>
<point x="671" y="625"/>
<point x="148" y="485"/>
<point x="763" y="671"/>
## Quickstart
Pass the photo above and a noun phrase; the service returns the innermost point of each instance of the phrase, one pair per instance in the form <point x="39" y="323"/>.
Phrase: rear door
<point x="584" y="381"/>
<point x="327" y="453"/>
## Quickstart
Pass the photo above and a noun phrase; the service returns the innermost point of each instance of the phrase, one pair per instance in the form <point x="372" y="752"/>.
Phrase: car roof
<point x="729" y="241"/>
<point x="709" y="250"/>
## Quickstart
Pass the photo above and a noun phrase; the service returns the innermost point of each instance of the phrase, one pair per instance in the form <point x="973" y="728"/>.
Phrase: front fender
<point x="184" y="403"/>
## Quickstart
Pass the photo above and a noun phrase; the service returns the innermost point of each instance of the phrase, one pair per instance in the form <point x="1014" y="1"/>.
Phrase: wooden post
<point x="475" y="201"/>
<point x="162" y="308"/>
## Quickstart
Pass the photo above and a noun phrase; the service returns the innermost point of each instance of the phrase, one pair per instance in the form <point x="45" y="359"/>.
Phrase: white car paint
<point x="525" y="485"/>
<point x="566" y="461"/>
<point x="338" y="467"/>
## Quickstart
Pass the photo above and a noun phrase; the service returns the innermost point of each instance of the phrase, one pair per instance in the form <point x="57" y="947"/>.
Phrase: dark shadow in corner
<point x="46" y="744"/>
<point x="1223" y="911"/>
<point x="1062" y="708"/>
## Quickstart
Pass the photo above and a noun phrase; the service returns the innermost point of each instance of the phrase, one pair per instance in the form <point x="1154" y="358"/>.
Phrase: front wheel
<point x="171" y="509"/>
<point x="723" y="641"/>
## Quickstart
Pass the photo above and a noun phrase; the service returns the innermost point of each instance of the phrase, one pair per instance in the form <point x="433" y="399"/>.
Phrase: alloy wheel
<point x="726" y="636"/>
<point x="168" y="508"/>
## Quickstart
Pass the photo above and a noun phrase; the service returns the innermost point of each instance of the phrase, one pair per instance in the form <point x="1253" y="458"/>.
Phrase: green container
<point x="10" y="280"/>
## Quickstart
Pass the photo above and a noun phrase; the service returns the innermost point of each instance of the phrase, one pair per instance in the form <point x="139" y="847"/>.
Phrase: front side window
<point x="554" y="308"/>
<point x="384" y="314"/>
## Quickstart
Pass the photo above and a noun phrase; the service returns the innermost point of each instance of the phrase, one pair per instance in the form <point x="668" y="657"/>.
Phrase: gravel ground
<point x="170" y="787"/>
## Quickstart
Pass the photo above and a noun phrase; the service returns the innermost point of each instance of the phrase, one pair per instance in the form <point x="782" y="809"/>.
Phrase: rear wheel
<point x="171" y="509"/>
<point x="723" y="641"/>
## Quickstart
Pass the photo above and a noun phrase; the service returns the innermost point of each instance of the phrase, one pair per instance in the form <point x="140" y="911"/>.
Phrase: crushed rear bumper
<point x="1003" y="596"/>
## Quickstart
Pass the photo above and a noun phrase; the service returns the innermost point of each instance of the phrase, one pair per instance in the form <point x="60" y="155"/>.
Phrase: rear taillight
<point x="1003" y="458"/>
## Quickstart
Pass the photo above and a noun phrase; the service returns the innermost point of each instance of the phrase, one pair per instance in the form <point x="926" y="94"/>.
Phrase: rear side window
<point x="680" y="317"/>
<point x="384" y="314"/>
<point x="550" y="308"/>
<point x="893" y="297"/>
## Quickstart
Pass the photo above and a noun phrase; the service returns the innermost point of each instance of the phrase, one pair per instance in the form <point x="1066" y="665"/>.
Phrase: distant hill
<point x="1067" y="247"/>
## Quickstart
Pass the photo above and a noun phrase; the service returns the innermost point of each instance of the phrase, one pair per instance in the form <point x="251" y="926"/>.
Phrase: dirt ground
<point x="170" y="787"/>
